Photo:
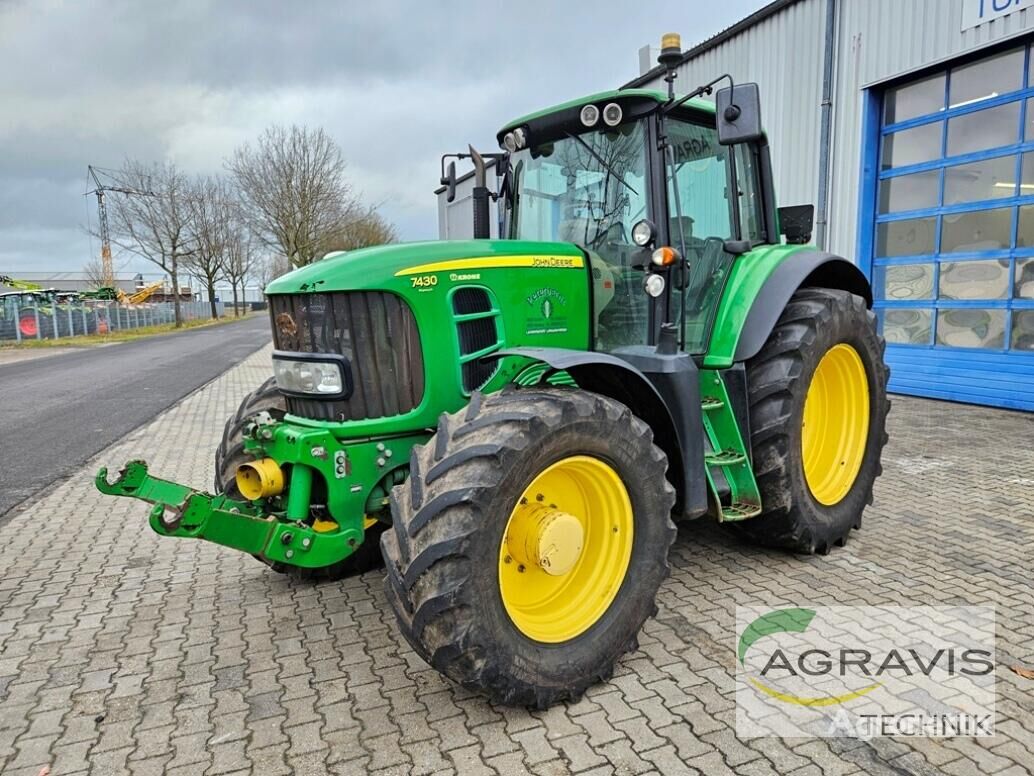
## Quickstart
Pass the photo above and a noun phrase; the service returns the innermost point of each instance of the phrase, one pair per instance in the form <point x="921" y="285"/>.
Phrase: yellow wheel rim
<point x="836" y="424"/>
<point x="566" y="549"/>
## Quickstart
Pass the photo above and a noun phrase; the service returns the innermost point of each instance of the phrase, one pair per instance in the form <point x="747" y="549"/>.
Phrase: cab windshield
<point x="590" y="189"/>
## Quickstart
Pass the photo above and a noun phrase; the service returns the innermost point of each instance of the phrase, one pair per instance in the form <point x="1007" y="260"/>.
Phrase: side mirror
<point x="449" y="181"/>
<point x="738" y="111"/>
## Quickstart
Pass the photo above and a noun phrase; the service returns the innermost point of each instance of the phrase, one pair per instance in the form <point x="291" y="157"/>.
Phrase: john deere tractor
<point x="518" y="423"/>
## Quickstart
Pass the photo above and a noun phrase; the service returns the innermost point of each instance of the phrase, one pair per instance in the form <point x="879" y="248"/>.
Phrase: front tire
<point x="818" y="411"/>
<point x="529" y="542"/>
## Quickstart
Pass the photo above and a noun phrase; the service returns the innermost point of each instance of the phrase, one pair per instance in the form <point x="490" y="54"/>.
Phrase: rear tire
<point x="230" y="454"/>
<point x="450" y="571"/>
<point x="802" y="512"/>
<point x="28" y="327"/>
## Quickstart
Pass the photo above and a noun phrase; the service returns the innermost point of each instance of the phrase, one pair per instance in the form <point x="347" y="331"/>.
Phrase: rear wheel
<point x="30" y="328"/>
<point x="231" y="454"/>
<point x="529" y="542"/>
<point x="818" y="410"/>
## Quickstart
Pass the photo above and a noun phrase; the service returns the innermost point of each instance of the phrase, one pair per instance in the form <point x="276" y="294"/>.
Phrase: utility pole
<point x="107" y="270"/>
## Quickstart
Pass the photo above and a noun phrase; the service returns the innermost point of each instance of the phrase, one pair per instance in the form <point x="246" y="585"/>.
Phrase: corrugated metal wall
<point x="783" y="54"/>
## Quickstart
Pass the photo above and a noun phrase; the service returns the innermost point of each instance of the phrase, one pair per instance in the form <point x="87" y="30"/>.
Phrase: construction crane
<point x="107" y="270"/>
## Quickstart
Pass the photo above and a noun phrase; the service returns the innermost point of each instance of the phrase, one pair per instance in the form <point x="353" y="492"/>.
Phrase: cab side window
<point x="701" y="176"/>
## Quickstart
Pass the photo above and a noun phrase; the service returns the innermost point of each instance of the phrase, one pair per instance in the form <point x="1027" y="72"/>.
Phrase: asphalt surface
<point x="58" y="412"/>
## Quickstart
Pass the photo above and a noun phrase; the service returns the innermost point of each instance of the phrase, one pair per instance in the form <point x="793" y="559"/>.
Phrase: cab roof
<point x="603" y="97"/>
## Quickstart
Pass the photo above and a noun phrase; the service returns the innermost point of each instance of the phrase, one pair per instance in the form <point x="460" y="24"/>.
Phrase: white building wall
<point x="456" y="218"/>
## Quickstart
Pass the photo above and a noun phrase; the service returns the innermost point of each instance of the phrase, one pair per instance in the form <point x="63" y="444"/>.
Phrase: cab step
<point x="710" y="404"/>
<point x="726" y="456"/>
<point x="740" y="511"/>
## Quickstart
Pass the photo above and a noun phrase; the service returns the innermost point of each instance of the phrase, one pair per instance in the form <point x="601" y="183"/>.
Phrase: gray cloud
<point x="396" y="84"/>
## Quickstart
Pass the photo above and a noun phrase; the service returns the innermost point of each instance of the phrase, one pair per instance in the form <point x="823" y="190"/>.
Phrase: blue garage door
<point x="953" y="231"/>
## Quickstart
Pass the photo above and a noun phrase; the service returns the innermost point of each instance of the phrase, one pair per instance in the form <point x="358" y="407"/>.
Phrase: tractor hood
<point x="383" y="266"/>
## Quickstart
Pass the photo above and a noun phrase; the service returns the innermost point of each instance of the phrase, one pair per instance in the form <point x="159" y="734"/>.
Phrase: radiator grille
<point x="375" y="330"/>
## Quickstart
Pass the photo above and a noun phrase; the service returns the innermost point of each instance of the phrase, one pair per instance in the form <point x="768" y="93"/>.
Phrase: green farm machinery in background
<point x="34" y="312"/>
<point x="519" y="423"/>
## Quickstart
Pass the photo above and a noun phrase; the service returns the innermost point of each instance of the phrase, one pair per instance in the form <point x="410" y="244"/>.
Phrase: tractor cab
<point x="625" y="176"/>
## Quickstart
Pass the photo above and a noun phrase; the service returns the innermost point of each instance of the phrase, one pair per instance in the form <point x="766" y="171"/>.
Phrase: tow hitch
<point x="184" y="512"/>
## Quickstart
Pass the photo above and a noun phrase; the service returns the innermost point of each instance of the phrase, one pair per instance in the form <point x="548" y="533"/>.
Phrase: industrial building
<point x="909" y="124"/>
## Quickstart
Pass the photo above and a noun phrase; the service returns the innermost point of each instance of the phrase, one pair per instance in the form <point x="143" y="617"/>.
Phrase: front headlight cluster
<point x="516" y="140"/>
<point x="612" y="114"/>
<point x="309" y="377"/>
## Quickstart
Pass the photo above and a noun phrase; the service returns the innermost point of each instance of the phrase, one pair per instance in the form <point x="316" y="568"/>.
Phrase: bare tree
<point x="293" y="189"/>
<point x="240" y="259"/>
<point x="93" y="271"/>
<point x="155" y="221"/>
<point x="271" y="267"/>
<point x="361" y="230"/>
<point x="210" y="212"/>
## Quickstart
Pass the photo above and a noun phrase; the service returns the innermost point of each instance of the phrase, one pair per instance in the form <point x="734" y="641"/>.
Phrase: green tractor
<point x="518" y="423"/>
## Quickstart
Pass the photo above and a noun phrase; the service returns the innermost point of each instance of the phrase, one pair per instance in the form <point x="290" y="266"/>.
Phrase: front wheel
<point x="818" y="412"/>
<point x="529" y="542"/>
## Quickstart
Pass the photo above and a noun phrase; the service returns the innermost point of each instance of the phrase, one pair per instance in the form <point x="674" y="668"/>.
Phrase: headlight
<point x="590" y="115"/>
<point x="519" y="137"/>
<point x="510" y="142"/>
<point x="612" y="114"/>
<point x="643" y="233"/>
<point x="654" y="285"/>
<point x="307" y="376"/>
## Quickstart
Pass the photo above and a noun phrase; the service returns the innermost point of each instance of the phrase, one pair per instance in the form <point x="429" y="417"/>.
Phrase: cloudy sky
<point x="396" y="84"/>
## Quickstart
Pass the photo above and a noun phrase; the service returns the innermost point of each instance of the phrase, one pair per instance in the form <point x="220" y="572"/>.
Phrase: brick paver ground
<point x="121" y="652"/>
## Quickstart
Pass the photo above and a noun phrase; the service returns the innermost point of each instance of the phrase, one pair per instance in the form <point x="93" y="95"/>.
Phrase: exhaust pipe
<point x="482" y="225"/>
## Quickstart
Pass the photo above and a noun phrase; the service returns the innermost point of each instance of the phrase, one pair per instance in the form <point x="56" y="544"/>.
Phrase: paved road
<point x="57" y="412"/>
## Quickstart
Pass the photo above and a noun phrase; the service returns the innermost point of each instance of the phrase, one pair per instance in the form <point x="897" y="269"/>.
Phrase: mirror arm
<point x="705" y="90"/>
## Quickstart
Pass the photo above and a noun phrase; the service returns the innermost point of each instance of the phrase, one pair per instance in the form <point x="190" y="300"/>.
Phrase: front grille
<point x="374" y="330"/>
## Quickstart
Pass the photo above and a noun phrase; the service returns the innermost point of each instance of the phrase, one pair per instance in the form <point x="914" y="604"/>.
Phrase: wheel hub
<point x="546" y="537"/>
<point x="565" y="549"/>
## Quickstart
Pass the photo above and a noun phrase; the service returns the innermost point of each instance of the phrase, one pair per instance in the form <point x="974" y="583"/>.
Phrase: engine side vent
<point x="477" y="333"/>
<point x="471" y="300"/>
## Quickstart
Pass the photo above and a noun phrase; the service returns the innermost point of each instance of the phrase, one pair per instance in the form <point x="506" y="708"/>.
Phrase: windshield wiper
<point x="599" y="159"/>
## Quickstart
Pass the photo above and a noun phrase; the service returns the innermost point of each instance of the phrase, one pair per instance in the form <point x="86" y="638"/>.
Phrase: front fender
<point x="663" y="391"/>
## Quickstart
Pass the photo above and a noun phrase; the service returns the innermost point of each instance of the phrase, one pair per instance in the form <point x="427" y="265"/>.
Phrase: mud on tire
<point x="449" y="518"/>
